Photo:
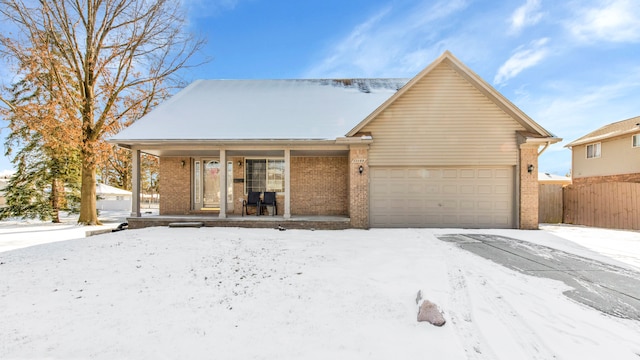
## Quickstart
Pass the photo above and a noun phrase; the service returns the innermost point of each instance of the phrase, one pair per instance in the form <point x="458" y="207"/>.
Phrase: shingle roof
<point x="263" y="109"/>
<point x="619" y="128"/>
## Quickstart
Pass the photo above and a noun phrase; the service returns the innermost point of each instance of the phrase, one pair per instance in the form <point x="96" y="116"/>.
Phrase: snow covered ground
<point x="231" y="293"/>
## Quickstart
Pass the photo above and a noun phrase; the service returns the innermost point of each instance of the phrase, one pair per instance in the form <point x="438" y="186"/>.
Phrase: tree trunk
<point x="88" y="212"/>
<point x="55" y="201"/>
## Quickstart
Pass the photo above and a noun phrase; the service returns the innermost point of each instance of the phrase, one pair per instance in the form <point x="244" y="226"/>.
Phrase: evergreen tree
<point x="47" y="179"/>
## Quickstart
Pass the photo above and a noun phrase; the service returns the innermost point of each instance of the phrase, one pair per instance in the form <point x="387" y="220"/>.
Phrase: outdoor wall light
<point x="182" y="163"/>
<point x="361" y="169"/>
<point x="239" y="163"/>
<point x="530" y="168"/>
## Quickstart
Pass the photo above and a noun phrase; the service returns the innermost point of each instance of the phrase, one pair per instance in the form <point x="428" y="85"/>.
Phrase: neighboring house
<point x="608" y="154"/>
<point x="443" y="149"/>
<point x="111" y="198"/>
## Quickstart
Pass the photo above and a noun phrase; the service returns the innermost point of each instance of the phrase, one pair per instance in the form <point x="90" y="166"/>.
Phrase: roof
<point x="262" y="110"/>
<point x="103" y="189"/>
<point x="534" y="129"/>
<point x="546" y="177"/>
<point x="612" y="130"/>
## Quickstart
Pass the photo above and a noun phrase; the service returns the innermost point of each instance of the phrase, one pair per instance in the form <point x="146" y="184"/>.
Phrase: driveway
<point x="610" y="289"/>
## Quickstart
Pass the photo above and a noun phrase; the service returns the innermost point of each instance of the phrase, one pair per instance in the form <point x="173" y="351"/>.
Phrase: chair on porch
<point x="269" y="199"/>
<point x="253" y="200"/>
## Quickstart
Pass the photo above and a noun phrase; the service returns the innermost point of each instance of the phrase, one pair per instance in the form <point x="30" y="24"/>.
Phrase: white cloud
<point x="522" y="59"/>
<point x="204" y="8"/>
<point x="389" y="42"/>
<point x="613" y="20"/>
<point x="526" y="15"/>
<point x="572" y="108"/>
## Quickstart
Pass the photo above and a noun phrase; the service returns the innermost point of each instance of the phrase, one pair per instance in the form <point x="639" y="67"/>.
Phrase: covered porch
<point x="207" y="182"/>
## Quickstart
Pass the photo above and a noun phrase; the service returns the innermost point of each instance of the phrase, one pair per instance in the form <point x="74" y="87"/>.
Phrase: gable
<point x="442" y="119"/>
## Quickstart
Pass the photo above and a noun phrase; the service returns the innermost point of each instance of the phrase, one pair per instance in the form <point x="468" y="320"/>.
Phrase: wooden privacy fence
<point x="614" y="205"/>
<point x="550" y="203"/>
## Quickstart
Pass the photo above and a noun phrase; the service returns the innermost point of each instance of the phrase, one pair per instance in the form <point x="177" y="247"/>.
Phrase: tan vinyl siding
<point x="617" y="156"/>
<point x="443" y="120"/>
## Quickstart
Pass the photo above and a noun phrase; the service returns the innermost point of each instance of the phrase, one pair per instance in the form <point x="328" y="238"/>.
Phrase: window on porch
<point x="264" y="175"/>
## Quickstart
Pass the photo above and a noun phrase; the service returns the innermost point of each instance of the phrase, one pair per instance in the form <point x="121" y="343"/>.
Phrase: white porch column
<point x="223" y="184"/>
<point x="287" y="183"/>
<point x="135" y="182"/>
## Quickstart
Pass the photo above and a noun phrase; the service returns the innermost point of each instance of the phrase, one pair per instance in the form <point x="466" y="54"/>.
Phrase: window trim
<point x="266" y="158"/>
<point x="599" y="152"/>
<point x="633" y="141"/>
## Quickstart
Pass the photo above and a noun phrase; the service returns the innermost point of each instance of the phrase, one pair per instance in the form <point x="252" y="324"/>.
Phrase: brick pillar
<point x="359" y="187"/>
<point x="528" y="187"/>
<point x="175" y="187"/>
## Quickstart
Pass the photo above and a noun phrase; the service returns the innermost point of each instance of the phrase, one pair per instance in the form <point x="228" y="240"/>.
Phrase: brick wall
<point x="635" y="178"/>
<point x="359" y="187"/>
<point x="528" y="188"/>
<point x="319" y="186"/>
<point x="175" y="185"/>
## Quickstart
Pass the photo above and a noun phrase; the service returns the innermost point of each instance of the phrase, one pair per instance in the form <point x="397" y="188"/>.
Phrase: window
<point x="264" y="175"/>
<point x="636" y="140"/>
<point x="593" y="151"/>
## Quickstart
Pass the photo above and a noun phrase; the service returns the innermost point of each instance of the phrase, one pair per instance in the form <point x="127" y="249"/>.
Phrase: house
<point x="443" y="149"/>
<point x="111" y="198"/>
<point x="608" y="154"/>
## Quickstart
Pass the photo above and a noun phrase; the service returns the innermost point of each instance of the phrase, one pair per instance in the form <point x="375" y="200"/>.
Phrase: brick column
<point x="359" y="186"/>
<point x="528" y="187"/>
<point x="175" y="188"/>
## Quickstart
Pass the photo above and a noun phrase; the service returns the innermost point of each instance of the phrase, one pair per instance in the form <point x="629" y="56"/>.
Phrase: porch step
<point x="185" y="224"/>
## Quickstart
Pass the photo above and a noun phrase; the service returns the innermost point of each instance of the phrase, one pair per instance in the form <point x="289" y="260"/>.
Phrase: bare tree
<point x="121" y="54"/>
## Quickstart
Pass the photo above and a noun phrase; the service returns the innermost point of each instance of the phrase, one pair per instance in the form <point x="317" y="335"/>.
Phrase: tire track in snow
<point x="470" y="333"/>
<point x="475" y="346"/>
<point x="524" y="335"/>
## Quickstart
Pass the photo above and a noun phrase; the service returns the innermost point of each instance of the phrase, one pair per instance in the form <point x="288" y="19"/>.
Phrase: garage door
<point x="442" y="197"/>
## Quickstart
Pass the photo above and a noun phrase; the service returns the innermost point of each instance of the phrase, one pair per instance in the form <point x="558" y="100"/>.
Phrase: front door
<point x="211" y="184"/>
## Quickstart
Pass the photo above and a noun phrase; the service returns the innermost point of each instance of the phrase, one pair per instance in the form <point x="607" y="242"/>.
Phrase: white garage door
<point x="442" y="197"/>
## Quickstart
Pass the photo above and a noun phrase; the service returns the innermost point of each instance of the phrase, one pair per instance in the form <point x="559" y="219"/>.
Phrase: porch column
<point x="135" y="182"/>
<point x="223" y="184"/>
<point x="287" y="183"/>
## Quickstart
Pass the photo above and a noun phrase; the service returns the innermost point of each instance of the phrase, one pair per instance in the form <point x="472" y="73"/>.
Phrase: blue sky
<point x="572" y="66"/>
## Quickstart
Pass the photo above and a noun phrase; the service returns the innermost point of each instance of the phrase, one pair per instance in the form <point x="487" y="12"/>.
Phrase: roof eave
<point x="131" y="143"/>
<point x="588" y="140"/>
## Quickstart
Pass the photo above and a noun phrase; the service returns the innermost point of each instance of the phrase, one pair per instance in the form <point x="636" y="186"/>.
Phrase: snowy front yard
<point x="229" y="293"/>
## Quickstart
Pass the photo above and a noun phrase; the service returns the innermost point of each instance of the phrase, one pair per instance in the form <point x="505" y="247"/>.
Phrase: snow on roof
<point x="263" y="109"/>
<point x="552" y="177"/>
<point x="103" y="189"/>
